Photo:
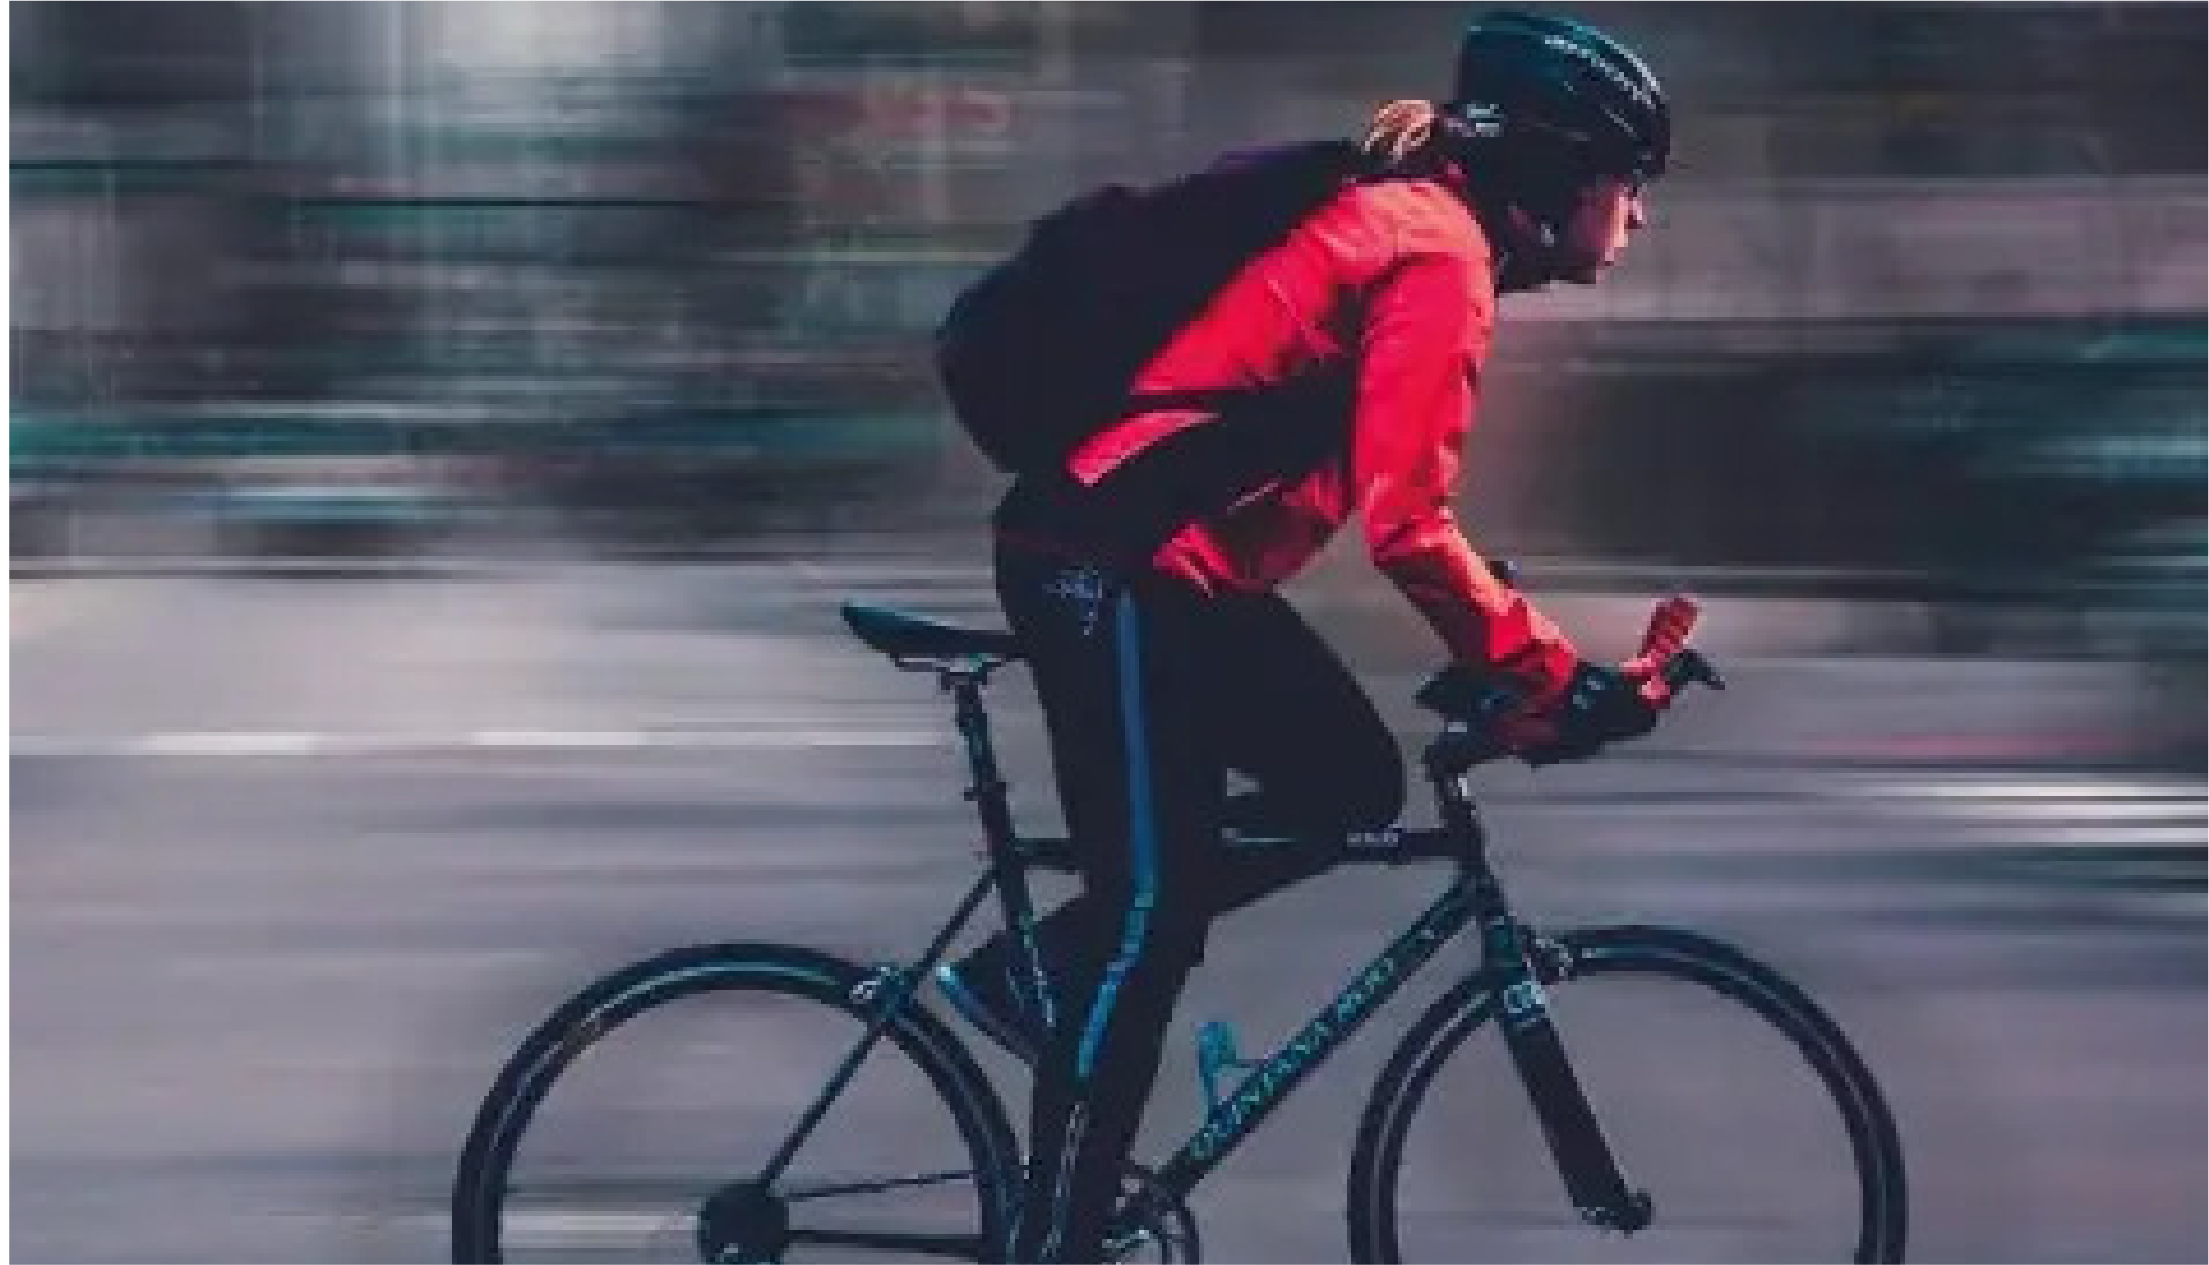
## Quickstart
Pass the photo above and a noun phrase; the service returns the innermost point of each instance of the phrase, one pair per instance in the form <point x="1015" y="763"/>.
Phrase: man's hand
<point x="1601" y="705"/>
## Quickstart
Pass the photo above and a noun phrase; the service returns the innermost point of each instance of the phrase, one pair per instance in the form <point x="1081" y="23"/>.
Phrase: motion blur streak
<point x="1919" y="316"/>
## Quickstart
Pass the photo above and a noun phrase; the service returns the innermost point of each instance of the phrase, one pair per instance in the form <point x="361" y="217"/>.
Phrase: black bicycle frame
<point x="1583" y="1158"/>
<point x="1240" y="1112"/>
<point x="1475" y="898"/>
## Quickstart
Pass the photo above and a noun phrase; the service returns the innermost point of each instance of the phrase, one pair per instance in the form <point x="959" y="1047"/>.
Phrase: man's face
<point x="1595" y="236"/>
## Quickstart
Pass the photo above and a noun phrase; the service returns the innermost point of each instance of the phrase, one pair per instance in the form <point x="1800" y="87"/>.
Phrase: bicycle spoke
<point x="659" y="1143"/>
<point x="897" y="988"/>
<point x="955" y="1246"/>
<point x="801" y="1194"/>
<point x="1709" y="1105"/>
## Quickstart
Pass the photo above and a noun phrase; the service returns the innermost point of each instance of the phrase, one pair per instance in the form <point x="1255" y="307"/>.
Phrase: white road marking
<point x="227" y="744"/>
<point x="261" y="744"/>
<point x="2036" y="790"/>
<point x="577" y="739"/>
<point x="600" y="1234"/>
<point x="2042" y="834"/>
<point x="2078" y="812"/>
<point x="2173" y="810"/>
<point x="2071" y="812"/>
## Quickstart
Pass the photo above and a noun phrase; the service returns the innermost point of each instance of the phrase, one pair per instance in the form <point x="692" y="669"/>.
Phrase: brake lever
<point x="1691" y="667"/>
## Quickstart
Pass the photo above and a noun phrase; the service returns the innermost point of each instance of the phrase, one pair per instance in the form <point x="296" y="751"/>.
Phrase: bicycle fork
<point x="1576" y="1143"/>
<point x="1598" y="1190"/>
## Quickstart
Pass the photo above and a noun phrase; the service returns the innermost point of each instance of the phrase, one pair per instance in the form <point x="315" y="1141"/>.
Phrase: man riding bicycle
<point x="1140" y="574"/>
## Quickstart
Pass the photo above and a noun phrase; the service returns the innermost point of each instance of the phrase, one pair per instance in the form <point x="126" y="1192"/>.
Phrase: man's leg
<point x="1293" y="718"/>
<point x="1121" y="684"/>
<point x="1285" y="711"/>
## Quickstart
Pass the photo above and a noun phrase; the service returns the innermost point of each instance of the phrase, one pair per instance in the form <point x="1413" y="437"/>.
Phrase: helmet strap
<point x="1524" y="240"/>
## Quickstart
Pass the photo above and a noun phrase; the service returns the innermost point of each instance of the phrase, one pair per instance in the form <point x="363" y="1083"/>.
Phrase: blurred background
<point x="439" y="436"/>
<point x="1921" y="316"/>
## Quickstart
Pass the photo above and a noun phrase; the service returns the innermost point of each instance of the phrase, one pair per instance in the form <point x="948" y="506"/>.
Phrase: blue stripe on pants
<point x="1142" y="836"/>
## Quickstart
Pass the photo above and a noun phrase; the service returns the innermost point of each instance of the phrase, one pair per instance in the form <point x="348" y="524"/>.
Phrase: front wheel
<point x="641" y="1122"/>
<point x="1725" y="1093"/>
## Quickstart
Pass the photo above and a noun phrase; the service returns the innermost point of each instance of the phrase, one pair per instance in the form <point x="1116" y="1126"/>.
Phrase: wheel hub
<point x="743" y="1222"/>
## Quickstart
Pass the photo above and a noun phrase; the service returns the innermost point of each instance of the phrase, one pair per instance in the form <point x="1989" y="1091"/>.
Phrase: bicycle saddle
<point x="902" y="636"/>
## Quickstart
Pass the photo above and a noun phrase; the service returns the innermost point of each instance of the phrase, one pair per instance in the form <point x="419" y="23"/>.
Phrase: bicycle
<point x="723" y="1210"/>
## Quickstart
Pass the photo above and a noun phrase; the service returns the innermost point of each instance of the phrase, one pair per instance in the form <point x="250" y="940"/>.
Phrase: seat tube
<point x="987" y="790"/>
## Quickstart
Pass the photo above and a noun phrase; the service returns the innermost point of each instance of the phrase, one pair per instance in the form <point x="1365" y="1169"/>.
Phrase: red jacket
<point x="1398" y="275"/>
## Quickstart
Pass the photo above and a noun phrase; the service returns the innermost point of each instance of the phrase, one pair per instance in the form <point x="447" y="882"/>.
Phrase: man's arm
<point x="1426" y="334"/>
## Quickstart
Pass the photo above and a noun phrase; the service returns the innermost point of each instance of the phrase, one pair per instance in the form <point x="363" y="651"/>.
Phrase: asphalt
<point x="297" y="859"/>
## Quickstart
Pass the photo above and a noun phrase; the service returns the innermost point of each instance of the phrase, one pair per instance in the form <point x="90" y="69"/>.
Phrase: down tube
<point x="1261" y="1091"/>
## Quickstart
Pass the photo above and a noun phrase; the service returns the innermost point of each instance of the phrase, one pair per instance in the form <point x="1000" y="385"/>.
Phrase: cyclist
<point x="1140" y="578"/>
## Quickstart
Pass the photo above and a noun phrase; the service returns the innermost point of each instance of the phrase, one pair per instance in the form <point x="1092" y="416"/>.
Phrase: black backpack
<point x="1039" y="353"/>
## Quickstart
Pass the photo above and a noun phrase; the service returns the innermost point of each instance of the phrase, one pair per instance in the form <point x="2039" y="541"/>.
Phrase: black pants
<point x="1152" y="692"/>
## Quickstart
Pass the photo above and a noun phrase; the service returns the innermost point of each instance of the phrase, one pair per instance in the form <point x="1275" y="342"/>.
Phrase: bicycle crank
<point x="1150" y="1221"/>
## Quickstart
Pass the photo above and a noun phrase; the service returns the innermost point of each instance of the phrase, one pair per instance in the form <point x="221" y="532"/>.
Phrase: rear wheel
<point x="1725" y="1093"/>
<point x="637" y="1124"/>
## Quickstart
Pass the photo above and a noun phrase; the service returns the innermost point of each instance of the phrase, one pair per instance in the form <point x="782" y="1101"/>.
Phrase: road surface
<point x="297" y="860"/>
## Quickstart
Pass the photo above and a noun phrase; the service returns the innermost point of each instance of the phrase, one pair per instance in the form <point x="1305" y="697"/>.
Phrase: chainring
<point x="1163" y="1229"/>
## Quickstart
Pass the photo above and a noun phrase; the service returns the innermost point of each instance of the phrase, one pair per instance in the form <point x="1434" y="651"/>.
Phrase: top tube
<point x="1394" y="846"/>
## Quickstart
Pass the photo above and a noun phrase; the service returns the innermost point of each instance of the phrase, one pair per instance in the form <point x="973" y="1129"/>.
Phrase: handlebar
<point x="1472" y="698"/>
<point x="1465" y="693"/>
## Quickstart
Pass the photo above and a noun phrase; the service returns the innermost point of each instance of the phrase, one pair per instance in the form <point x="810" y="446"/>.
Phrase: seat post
<point x="989" y="794"/>
<point x="986" y="788"/>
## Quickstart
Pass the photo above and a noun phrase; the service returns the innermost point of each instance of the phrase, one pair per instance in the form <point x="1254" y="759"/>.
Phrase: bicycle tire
<point x="1654" y="953"/>
<point x="600" y="1010"/>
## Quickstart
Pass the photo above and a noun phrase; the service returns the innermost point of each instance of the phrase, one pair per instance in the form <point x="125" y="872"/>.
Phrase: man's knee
<point x="1361" y="795"/>
<point x="1366" y="782"/>
<point x="1375" y="796"/>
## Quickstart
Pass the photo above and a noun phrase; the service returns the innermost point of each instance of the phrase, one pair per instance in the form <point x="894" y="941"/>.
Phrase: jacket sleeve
<point x="1425" y="335"/>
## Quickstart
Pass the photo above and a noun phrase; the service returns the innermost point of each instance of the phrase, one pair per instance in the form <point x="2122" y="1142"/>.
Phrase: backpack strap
<point x="1211" y="399"/>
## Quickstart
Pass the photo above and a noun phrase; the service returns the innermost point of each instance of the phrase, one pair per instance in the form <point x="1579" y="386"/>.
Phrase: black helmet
<point x="1566" y="87"/>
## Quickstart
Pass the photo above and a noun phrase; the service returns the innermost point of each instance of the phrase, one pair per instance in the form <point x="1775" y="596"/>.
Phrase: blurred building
<point x="1922" y="312"/>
